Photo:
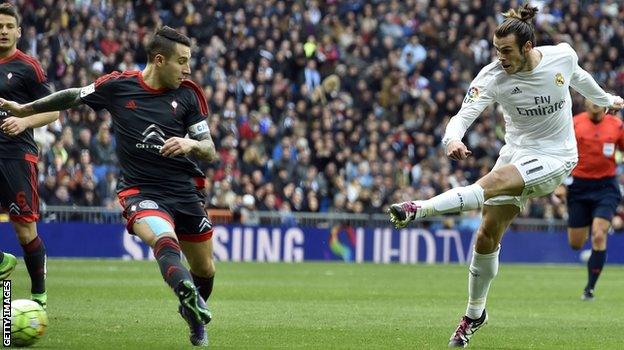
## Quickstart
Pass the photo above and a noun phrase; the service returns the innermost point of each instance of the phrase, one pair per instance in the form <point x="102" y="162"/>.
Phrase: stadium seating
<point x="339" y="107"/>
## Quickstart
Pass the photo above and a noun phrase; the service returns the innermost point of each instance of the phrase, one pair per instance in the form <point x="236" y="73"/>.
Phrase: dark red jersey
<point x="597" y="143"/>
<point x="143" y="118"/>
<point x="21" y="80"/>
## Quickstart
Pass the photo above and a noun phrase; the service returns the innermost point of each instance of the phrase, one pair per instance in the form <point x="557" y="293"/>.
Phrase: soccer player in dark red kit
<point x="22" y="80"/>
<point x="160" y="186"/>
<point x="594" y="194"/>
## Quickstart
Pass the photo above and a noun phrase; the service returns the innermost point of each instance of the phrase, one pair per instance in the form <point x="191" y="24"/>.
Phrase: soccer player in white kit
<point x="531" y="84"/>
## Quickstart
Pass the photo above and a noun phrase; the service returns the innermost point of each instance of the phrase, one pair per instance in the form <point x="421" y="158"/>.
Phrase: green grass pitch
<point x="109" y="304"/>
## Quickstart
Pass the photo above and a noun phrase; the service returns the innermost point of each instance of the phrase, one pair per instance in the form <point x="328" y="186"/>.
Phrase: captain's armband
<point x="198" y="129"/>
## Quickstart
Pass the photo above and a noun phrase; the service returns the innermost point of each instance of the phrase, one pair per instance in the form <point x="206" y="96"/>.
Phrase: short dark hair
<point x="518" y="23"/>
<point x="163" y="42"/>
<point x="10" y="10"/>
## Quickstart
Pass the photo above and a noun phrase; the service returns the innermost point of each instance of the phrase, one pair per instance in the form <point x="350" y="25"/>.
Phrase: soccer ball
<point x="28" y="322"/>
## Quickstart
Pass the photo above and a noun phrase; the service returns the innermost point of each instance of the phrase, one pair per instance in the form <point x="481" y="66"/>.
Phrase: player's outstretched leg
<point x="466" y="328"/>
<point x="7" y="265"/>
<point x="452" y="201"/>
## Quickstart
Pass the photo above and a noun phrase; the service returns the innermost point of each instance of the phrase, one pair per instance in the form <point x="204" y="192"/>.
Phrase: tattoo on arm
<point x="61" y="100"/>
<point x="205" y="148"/>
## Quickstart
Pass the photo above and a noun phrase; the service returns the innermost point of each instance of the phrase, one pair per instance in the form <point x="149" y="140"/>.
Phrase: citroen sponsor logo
<point x="153" y="138"/>
<point x="204" y="225"/>
<point x="153" y="132"/>
<point x="14" y="208"/>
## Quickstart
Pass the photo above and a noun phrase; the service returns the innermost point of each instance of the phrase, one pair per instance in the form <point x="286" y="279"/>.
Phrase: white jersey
<point x="536" y="105"/>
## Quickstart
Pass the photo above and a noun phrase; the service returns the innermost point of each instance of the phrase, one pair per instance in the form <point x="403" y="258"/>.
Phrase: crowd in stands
<point x="315" y="105"/>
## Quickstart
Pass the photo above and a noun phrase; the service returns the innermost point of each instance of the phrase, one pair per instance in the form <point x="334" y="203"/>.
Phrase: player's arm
<point x="13" y="126"/>
<point x="205" y="148"/>
<point x="58" y="101"/>
<point x="480" y="95"/>
<point x="200" y="143"/>
<point x="585" y="84"/>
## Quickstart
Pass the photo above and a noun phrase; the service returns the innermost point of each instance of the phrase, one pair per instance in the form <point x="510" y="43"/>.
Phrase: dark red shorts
<point x="18" y="188"/>
<point x="188" y="217"/>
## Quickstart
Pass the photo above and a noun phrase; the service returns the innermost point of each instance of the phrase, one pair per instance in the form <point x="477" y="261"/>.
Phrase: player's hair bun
<point x="524" y="13"/>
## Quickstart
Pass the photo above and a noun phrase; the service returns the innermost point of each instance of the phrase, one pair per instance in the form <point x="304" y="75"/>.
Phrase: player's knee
<point x="493" y="183"/>
<point x="25" y="232"/>
<point x="483" y="238"/>
<point x="575" y="243"/>
<point x="599" y="238"/>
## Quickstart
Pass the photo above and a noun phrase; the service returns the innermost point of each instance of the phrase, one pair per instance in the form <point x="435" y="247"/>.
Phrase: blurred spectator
<point x="61" y="197"/>
<point x="248" y="212"/>
<point x="103" y="149"/>
<point x="338" y="106"/>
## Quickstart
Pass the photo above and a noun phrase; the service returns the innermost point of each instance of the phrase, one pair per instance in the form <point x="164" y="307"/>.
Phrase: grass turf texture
<point x="107" y="304"/>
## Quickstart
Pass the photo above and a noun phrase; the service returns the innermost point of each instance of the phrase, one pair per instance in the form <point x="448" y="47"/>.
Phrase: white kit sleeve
<point x="585" y="84"/>
<point x="482" y="93"/>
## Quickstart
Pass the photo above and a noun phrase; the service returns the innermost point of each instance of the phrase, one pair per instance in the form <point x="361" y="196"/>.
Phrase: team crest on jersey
<point x="174" y="104"/>
<point x="608" y="149"/>
<point x="472" y="95"/>
<point x="9" y="76"/>
<point x="148" y="204"/>
<point x="559" y="79"/>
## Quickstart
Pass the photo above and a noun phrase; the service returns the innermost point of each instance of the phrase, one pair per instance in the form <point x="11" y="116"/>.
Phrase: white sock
<point x="483" y="269"/>
<point x="455" y="200"/>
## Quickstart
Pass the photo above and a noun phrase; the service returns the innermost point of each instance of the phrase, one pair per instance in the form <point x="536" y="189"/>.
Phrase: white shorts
<point x="541" y="173"/>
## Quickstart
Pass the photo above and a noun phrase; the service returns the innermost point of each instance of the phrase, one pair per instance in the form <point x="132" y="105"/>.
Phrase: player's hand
<point x="456" y="150"/>
<point x="14" y="126"/>
<point x="618" y="104"/>
<point x="13" y="108"/>
<point x="176" y="146"/>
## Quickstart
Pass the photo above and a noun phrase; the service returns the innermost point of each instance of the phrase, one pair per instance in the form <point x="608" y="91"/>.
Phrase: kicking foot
<point x="402" y="214"/>
<point x="467" y="327"/>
